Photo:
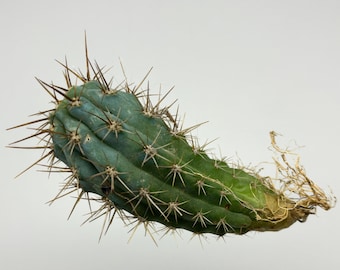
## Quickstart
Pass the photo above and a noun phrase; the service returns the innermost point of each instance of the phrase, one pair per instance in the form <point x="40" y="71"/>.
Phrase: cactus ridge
<point x="137" y="158"/>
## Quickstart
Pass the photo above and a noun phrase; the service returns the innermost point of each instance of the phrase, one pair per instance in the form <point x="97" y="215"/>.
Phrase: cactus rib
<point x="137" y="158"/>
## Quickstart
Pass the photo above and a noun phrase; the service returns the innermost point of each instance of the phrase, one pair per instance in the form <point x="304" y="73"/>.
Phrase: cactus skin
<point x="133" y="154"/>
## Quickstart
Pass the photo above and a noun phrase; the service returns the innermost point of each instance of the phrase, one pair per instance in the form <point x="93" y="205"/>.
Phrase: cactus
<point x="120" y="144"/>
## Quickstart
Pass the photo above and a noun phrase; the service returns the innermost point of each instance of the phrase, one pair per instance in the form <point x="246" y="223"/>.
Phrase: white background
<point x="247" y="67"/>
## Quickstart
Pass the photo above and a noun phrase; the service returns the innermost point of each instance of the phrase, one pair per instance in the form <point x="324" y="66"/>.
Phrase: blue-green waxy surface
<point x="136" y="158"/>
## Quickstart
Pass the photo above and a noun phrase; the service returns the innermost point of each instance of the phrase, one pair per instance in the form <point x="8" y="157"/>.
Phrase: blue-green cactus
<point x="115" y="143"/>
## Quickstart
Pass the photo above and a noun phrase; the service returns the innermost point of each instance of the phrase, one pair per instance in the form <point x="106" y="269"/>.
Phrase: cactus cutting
<point x="122" y="148"/>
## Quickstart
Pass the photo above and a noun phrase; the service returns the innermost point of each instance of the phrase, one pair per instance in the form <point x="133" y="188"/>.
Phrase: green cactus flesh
<point x="135" y="156"/>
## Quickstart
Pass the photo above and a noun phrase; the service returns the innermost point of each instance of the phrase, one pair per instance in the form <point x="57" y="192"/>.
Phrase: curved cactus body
<point x="128" y="154"/>
<point x="135" y="156"/>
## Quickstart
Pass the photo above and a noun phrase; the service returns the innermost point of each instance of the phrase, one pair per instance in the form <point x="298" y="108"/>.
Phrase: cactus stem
<point x="124" y="145"/>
